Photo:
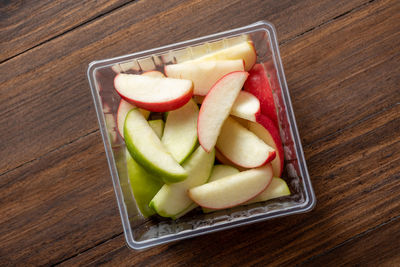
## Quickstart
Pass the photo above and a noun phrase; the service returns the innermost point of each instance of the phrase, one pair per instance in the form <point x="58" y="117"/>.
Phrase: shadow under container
<point x="143" y="232"/>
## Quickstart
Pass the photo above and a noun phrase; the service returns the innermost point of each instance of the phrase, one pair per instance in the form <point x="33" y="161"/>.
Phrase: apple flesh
<point x="265" y="129"/>
<point x="153" y="73"/>
<point x="246" y="106"/>
<point x="222" y="159"/>
<point x="153" y="93"/>
<point x="244" y="50"/>
<point x="219" y="171"/>
<point x="243" y="147"/>
<point x="172" y="200"/>
<point x="258" y="85"/>
<point x="232" y="190"/>
<point x="277" y="188"/>
<point x="216" y="107"/>
<point x="146" y="148"/>
<point x="204" y="74"/>
<point x="157" y="126"/>
<point x="180" y="132"/>
<point x="123" y="109"/>
<point x="144" y="185"/>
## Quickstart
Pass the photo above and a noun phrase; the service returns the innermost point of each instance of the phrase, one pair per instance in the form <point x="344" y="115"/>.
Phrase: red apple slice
<point x="216" y="107"/>
<point x="232" y="190"/>
<point x="265" y="129"/>
<point x="153" y="93"/>
<point x="259" y="86"/>
<point x="242" y="147"/>
<point x="246" y="106"/>
<point x="123" y="109"/>
<point x="204" y="74"/>
<point x="221" y="158"/>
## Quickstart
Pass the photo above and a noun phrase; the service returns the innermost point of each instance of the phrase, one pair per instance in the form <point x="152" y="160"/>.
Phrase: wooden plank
<point x="343" y="76"/>
<point x="371" y="140"/>
<point x="25" y="24"/>
<point x="357" y="194"/>
<point x="58" y="205"/>
<point x="49" y="97"/>
<point x="380" y="247"/>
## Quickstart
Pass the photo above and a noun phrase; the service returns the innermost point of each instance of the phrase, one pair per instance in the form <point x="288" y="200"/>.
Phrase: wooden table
<point x="342" y="64"/>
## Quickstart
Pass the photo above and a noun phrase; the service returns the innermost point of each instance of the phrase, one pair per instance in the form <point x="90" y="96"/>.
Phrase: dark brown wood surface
<point x="342" y="64"/>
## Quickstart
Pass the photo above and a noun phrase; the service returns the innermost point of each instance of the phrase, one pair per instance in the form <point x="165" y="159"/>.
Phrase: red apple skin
<point x="269" y="125"/>
<point x="257" y="84"/>
<point x="159" y="106"/>
<point x="238" y="204"/>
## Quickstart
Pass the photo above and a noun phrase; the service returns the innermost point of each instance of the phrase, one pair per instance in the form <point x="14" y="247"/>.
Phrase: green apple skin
<point x="146" y="149"/>
<point x="144" y="185"/>
<point x="172" y="200"/>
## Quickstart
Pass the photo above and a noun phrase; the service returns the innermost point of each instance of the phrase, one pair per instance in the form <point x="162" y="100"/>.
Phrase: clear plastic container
<point x="143" y="233"/>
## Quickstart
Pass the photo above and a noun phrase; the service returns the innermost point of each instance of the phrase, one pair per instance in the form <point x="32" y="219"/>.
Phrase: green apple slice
<point x="277" y="188"/>
<point x="144" y="185"/>
<point x="172" y="200"/>
<point x="180" y="132"/>
<point x="157" y="126"/>
<point x="221" y="170"/>
<point x="146" y="149"/>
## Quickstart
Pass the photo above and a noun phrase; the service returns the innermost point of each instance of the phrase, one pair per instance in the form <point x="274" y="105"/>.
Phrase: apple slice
<point x="144" y="185"/>
<point x="153" y="93"/>
<point x="222" y="159"/>
<point x="157" y="126"/>
<point x="153" y="73"/>
<point x="232" y="190"/>
<point x="243" y="147"/>
<point x="180" y="132"/>
<point x="265" y="129"/>
<point x="172" y="200"/>
<point x="204" y="74"/>
<point x="246" y="106"/>
<point x="219" y="171"/>
<point x="123" y="109"/>
<point x="146" y="149"/>
<point x="244" y="50"/>
<point x="258" y="85"/>
<point x="216" y="107"/>
<point x="277" y="188"/>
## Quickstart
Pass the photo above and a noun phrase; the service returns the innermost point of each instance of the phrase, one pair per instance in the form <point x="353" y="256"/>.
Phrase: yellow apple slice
<point x="244" y="50"/>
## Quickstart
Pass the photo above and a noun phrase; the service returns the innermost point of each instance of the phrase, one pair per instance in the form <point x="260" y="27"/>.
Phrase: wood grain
<point x="352" y="198"/>
<point x="58" y="205"/>
<point x="377" y="247"/>
<point x="49" y="97"/>
<point x="25" y="24"/>
<point x="56" y="199"/>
